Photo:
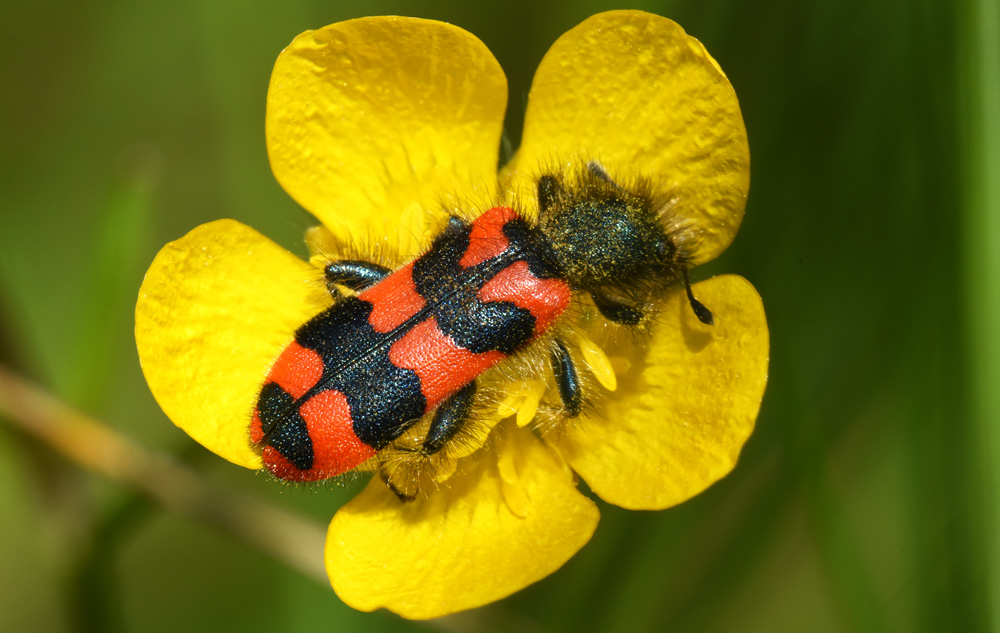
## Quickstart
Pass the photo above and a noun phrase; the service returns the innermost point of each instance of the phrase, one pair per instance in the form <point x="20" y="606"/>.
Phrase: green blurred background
<point x="863" y="500"/>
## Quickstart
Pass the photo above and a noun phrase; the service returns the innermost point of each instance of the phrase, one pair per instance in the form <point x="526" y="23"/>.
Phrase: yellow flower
<point x="380" y="127"/>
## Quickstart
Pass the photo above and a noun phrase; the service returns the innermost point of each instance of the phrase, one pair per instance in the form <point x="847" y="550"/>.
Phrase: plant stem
<point x="293" y="540"/>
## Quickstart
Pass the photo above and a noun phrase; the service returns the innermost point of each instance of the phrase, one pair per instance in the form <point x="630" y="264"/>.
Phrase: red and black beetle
<point x="413" y="341"/>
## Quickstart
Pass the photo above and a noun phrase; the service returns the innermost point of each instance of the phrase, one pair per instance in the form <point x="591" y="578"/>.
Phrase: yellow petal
<point x="462" y="546"/>
<point x="368" y="117"/>
<point x="634" y="92"/>
<point x="215" y="309"/>
<point x="677" y="424"/>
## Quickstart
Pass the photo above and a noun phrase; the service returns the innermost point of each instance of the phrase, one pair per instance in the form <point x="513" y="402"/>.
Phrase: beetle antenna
<point x="704" y="314"/>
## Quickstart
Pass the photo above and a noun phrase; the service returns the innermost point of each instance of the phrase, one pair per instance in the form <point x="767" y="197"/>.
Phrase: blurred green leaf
<point x="106" y="294"/>
<point x="980" y="161"/>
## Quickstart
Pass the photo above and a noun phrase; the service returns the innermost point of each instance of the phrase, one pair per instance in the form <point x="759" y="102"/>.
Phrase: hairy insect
<point x="413" y="342"/>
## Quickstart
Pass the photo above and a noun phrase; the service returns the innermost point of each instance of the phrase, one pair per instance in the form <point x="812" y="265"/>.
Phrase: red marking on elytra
<point x="395" y="299"/>
<point x="297" y="370"/>
<point x="256" y="428"/>
<point x="487" y="240"/>
<point x="336" y="448"/>
<point x="442" y="366"/>
<point x="546" y="299"/>
<point x="281" y="468"/>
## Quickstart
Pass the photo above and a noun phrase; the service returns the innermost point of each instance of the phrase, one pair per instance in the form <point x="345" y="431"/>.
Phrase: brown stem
<point x="296" y="541"/>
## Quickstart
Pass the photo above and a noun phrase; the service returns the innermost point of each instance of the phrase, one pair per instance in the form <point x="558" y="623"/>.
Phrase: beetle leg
<point x="567" y="379"/>
<point x="405" y="498"/>
<point x="456" y="223"/>
<point x="449" y="418"/>
<point x="597" y="169"/>
<point x="617" y="311"/>
<point x="356" y="274"/>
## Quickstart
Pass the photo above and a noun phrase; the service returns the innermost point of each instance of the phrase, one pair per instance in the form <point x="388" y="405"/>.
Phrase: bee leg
<point x="405" y="498"/>
<point x="704" y="314"/>
<point x="449" y="418"/>
<point x="617" y="311"/>
<point x="356" y="274"/>
<point x="567" y="379"/>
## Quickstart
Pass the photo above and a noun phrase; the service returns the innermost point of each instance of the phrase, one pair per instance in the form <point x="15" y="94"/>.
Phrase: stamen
<point x="513" y="493"/>
<point x="529" y="406"/>
<point x="522" y="400"/>
<point x="511" y="400"/>
<point x="598" y="362"/>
